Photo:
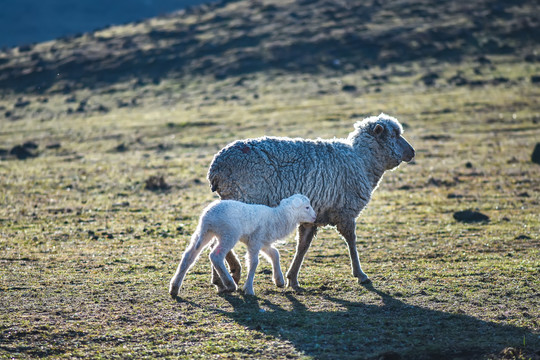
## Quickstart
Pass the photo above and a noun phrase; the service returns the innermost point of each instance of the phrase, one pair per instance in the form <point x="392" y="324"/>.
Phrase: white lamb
<point x="258" y="226"/>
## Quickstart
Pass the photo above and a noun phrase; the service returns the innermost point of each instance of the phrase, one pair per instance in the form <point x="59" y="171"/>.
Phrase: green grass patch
<point x="87" y="252"/>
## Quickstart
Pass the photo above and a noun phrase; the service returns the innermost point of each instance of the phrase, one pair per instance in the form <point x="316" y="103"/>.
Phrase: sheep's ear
<point x="378" y="129"/>
<point x="297" y="202"/>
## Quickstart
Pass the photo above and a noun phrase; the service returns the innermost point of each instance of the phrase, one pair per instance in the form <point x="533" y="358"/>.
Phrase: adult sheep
<point x="337" y="175"/>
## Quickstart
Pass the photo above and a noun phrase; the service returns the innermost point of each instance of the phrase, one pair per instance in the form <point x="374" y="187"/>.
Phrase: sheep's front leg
<point x="273" y="255"/>
<point x="252" y="258"/>
<point x="306" y="232"/>
<point x="348" y="230"/>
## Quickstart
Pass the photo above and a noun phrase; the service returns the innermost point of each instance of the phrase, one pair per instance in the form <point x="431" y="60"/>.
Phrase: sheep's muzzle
<point x="407" y="151"/>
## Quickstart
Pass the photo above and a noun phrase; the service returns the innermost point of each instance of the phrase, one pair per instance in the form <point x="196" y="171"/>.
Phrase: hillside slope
<point x="231" y="38"/>
<point x="29" y="21"/>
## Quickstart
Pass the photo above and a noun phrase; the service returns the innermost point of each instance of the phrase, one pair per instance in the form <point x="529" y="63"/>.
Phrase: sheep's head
<point x="384" y="134"/>
<point x="301" y="205"/>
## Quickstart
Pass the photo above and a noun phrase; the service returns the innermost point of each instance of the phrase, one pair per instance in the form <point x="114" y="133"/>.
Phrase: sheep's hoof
<point x="279" y="283"/>
<point x="235" y="275"/>
<point x="225" y="291"/>
<point x="219" y="286"/>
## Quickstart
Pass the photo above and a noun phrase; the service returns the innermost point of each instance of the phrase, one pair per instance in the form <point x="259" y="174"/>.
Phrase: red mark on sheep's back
<point x="245" y="149"/>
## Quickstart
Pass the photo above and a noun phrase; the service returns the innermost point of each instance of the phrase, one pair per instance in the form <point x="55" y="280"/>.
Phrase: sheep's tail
<point x="214" y="185"/>
<point x="215" y="171"/>
<point x="213" y="175"/>
<point x="225" y="166"/>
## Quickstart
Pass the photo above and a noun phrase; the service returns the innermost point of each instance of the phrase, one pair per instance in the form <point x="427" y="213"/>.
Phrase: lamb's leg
<point x="188" y="258"/>
<point x="273" y="255"/>
<point x="234" y="267"/>
<point x="252" y="258"/>
<point x="306" y="232"/>
<point x="217" y="256"/>
<point x="216" y="280"/>
<point x="348" y="230"/>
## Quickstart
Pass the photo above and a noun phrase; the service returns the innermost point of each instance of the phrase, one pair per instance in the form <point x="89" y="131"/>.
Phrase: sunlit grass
<point x="87" y="251"/>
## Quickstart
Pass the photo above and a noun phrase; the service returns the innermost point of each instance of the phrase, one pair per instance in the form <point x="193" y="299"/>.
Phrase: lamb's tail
<point x="199" y="240"/>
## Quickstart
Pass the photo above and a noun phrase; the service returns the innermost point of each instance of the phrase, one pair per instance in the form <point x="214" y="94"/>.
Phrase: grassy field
<point x="86" y="251"/>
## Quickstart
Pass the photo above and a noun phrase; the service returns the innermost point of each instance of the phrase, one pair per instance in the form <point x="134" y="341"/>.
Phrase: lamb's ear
<point x="378" y="129"/>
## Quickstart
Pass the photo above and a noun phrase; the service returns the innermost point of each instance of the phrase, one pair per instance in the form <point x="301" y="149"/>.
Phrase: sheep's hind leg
<point x="234" y="267"/>
<point x="305" y="236"/>
<point x="273" y="255"/>
<point x="217" y="256"/>
<point x="347" y="230"/>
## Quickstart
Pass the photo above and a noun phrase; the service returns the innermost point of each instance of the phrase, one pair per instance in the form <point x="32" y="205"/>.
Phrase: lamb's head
<point x="301" y="207"/>
<point x="384" y="135"/>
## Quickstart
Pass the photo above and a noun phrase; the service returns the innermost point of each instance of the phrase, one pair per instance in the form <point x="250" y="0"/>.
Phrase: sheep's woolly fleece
<point x="337" y="175"/>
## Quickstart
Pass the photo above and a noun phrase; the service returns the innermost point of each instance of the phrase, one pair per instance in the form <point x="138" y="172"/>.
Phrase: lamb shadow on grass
<point x="392" y="330"/>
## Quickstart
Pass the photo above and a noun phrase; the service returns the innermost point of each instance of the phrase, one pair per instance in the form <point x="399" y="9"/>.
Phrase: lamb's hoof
<point x="364" y="281"/>
<point x="279" y="283"/>
<point x="296" y="288"/>
<point x="248" y="290"/>
<point x="173" y="291"/>
<point x="227" y="290"/>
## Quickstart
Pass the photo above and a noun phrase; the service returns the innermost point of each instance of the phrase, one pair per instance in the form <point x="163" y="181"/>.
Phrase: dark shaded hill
<point x="31" y="21"/>
<point x="238" y="37"/>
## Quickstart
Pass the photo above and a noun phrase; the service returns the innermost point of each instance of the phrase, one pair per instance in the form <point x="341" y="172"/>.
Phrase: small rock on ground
<point x="469" y="216"/>
<point x="535" y="157"/>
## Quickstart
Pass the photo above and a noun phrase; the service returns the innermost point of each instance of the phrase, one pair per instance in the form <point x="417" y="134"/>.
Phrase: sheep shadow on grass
<point x="393" y="330"/>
